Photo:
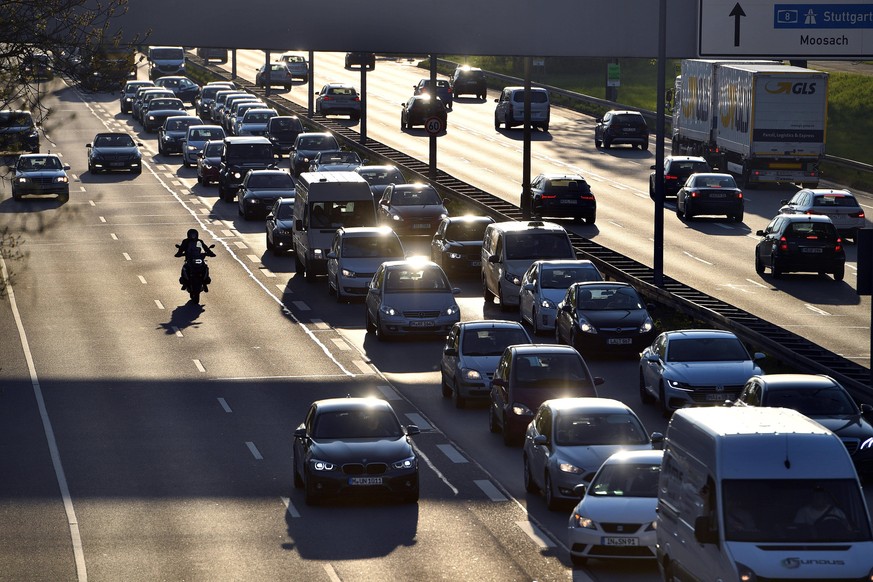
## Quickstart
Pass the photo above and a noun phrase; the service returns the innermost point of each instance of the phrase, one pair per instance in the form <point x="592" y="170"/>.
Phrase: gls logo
<point x="787" y="87"/>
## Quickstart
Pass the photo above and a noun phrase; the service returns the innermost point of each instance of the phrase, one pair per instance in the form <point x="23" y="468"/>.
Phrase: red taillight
<point x="549" y="196"/>
<point x="586" y="197"/>
<point x="812" y="212"/>
<point x="839" y="246"/>
<point x="670" y="177"/>
<point x="328" y="98"/>
<point x="857" y="214"/>
<point x="356" y="98"/>
<point x="739" y="195"/>
<point x="694" y="193"/>
<point x="783" y="244"/>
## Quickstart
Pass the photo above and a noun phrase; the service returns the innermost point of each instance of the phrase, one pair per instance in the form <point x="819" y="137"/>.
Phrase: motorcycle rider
<point x="193" y="246"/>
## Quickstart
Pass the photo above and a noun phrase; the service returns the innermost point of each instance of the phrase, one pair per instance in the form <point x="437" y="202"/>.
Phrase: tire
<point x="487" y="295"/>
<point x="228" y="195"/>
<point x="508" y="439"/>
<point x="645" y="397"/>
<point x="545" y="127"/>
<point x="552" y="503"/>
<point x="503" y="306"/>
<point x="460" y="401"/>
<point x="607" y="143"/>
<point x="597" y="143"/>
<point x="738" y="217"/>
<point x="535" y="322"/>
<point x="309" y="276"/>
<point x="839" y="273"/>
<point x="200" y="180"/>
<point x="298" y="480"/>
<point x="446" y="389"/>
<point x="645" y="146"/>
<point x="160" y="148"/>
<point x="591" y="219"/>
<point x="775" y="269"/>
<point x="662" y="402"/>
<point x="185" y="162"/>
<point x="380" y="334"/>
<point x="299" y="268"/>
<point x="492" y="420"/>
<point x="759" y="266"/>
<point x="16" y="196"/>
<point x="371" y="328"/>
<point x="529" y="485"/>
<point x="496" y="122"/>
<point x="138" y="171"/>
<point x="64" y="198"/>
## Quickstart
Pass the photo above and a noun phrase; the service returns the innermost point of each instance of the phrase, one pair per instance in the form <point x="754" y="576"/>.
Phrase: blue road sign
<point x="823" y="16"/>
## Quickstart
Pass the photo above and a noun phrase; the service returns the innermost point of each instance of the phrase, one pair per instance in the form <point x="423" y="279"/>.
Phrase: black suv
<point x="363" y="60"/>
<point x="676" y="172"/>
<point x="800" y="243"/>
<point x="469" y="80"/>
<point x="626" y="127"/>
<point x="282" y="131"/>
<point x="241" y="155"/>
<point x="419" y="108"/>
<point x="563" y="195"/>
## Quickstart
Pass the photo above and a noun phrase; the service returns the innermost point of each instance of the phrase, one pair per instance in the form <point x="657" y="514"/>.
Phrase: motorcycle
<point x="195" y="272"/>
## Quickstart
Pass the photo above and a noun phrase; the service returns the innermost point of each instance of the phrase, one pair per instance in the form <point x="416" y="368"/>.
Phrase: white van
<point x="326" y="201"/>
<point x="166" y="60"/>
<point x="510" y="248"/>
<point x="510" y="108"/>
<point x="759" y="494"/>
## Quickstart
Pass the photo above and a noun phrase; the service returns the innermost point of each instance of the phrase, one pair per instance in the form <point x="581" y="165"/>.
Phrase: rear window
<point x="535" y="97"/>
<point x="811" y="231"/>
<point x="688" y="168"/>
<point x="629" y="119"/>
<point x="557" y="186"/>
<point x="471" y="75"/>
<point x="342" y="91"/>
<point x="834" y="200"/>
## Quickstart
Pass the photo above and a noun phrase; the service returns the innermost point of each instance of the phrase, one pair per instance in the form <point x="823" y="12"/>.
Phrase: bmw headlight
<point x="471" y="375"/>
<point x="318" y="465"/>
<point x="512" y="278"/>
<point x="388" y="310"/>
<point x="569" y="468"/>
<point x="580" y="520"/>
<point x="647" y="325"/>
<point x="520" y="409"/>
<point x="405" y="463"/>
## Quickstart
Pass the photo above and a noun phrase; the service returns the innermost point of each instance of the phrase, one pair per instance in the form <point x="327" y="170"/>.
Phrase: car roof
<point x="515" y="88"/>
<point x="204" y="126"/>
<point x="637" y="457"/>
<point x="624" y="112"/>
<point x="269" y="171"/>
<point x="828" y="191"/>
<point x="559" y="263"/>
<point x="686" y="159"/>
<point x="490" y="324"/>
<point x="35" y="156"/>
<point x="413" y="186"/>
<point x="365" y="231"/>
<point x="588" y="404"/>
<point x="332" y="404"/>
<point x="712" y="175"/>
<point x="113" y="133"/>
<point x="528" y="349"/>
<point x="609" y="284"/>
<point x="385" y="168"/>
<point x="411" y="264"/>
<point x="698" y="333"/>
<point x="559" y="176"/>
<point x="519" y="225"/>
<point x="247" y="139"/>
<point x="807" y="218"/>
<point x="777" y="381"/>
<point x="469" y="218"/>
<point x="335" y="84"/>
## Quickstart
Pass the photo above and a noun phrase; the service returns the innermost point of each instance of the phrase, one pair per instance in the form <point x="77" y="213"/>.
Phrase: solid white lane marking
<point x="419" y="421"/>
<point x="758" y="283"/>
<point x="388" y="392"/>
<point x="340" y="344"/>
<point x="490" y="490"/>
<point x="301" y="305"/>
<point x="452" y="453"/>
<point x="200" y="367"/>
<point x="254" y="450"/>
<point x="697" y="258"/>
<point x="331" y="573"/>
<point x="289" y="507"/>
<point x="54" y="453"/>
<point x="815" y="309"/>
<point x="126" y="256"/>
<point x="224" y="405"/>
<point x="362" y="366"/>
<point x="536" y="534"/>
<point x="142" y="280"/>
<point x="177" y="331"/>
<point x="159" y="304"/>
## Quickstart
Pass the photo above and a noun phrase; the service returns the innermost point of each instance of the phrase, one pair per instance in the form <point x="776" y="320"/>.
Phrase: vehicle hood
<point x="309" y="153"/>
<point x="357" y="450"/>
<point x="285" y="224"/>
<point x="270" y="192"/>
<point x="424" y="211"/>
<point x="630" y="318"/>
<point x="176" y="133"/>
<point x="467" y="244"/>
<point x="591" y="457"/>
<point x="846" y="561"/>
<point x="35" y="174"/>
<point x="724" y="373"/>
<point x="366" y="264"/>
<point x="553" y="295"/>
<point x="110" y="150"/>
<point x="533" y="397"/>
<point x="517" y="266"/>
<point x="846" y="426"/>
<point x="618" y="509"/>
<point x="484" y="364"/>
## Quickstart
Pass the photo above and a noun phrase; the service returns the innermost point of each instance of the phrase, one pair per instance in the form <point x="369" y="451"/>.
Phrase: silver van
<point x="324" y="202"/>
<point x="510" y="108"/>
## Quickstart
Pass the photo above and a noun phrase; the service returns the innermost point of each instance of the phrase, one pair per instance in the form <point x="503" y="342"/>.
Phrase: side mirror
<point x="783" y="201"/>
<point x="528" y="287"/>
<point x="704" y="532"/>
<point x="87" y="145"/>
<point x="300" y="433"/>
<point x="598" y="120"/>
<point x="451" y="352"/>
<point x="494" y="259"/>
<point x="456" y="290"/>
<point x="652" y="358"/>
<point x="759" y="233"/>
<point x="652" y="167"/>
<point x="540" y="440"/>
<point x="412" y="430"/>
<point x="498" y="382"/>
<point x="759" y="356"/>
<point x="657" y="438"/>
<point x="66" y="166"/>
<point x="598" y="380"/>
<point x="270" y="216"/>
<point x="579" y="490"/>
<point x="866" y="408"/>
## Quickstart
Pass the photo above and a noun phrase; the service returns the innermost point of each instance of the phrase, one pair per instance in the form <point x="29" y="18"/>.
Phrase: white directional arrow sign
<point x="772" y="29"/>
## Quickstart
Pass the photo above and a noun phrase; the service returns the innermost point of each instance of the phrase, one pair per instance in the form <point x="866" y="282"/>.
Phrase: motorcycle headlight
<point x="237" y="175"/>
<point x="192" y="148"/>
<point x="151" y="117"/>
<point x="397" y="217"/>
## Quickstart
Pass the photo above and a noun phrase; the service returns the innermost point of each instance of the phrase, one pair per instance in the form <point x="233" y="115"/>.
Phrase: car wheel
<point x="839" y="273"/>
<point x="503" y="305"/>
<point x="552" y="503"/>
<point x="446" y="389"/>
<point x="759" y="266"/>
<point x="137" y="171"/>
<point x="534" y="319"/>
<point x="508" y="438"/>
<point x="160" y="148"/>
<point x="298" y="481"/>
<point x="496" y="122"/>
<point x="529" y="485"/>
<point x="200" y="180"/>
<point x="299" y="268"/>
<point x="310" y="497"/>
<point x="309" y="275"/>
<point x="412" y="496"/>
<point x="597" y="143"/>
<point x="492" y="419"/>
<point x="679" y="214"/>
<point x="662" y="402"/>
<point x="738" y="217"/>
<point x="645" y="146"/>
<point x="185" y="163"/>
<point x="340" y="298"/>
<point x="607" y="143"/>
<point x="591" y="219"/>
<point x="370" y="327"/>
<point x="460" y="401"/>
<point x="558" y="339"/>
<point x="64" y="198"/>
<point x="545" y="127"/>
<point x="16" y="196"/>
<point x="775" y="268"/>
<point x="487" y="295"/>
<point x="645" y="397"/>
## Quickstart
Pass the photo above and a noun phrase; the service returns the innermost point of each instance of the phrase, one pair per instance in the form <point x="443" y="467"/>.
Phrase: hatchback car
<point x="296" y="64"/>
<point x="40" y="174"/>
<point x="279" y="225"/>
<point x="411" y="209"/>
<point x="361" y="60"/>
<point x="254" y="121"/>
<point x="677" y="169"/>
<point x="621" y="127"/>
<point x="456" y="245"/>
<point x="800" y="243"/>
<point x="354" y="256"/>
<point x="282" y="130"/>
<point x="545" y="284"/>
<point x="260" y="190"/>
<point x="182" y="87"/>
<point x="274" y="74"/>
<point x="335" y="161"/>
<point x="411" y="298"/>
<point x="349" y="446"/>
<point x="143" y="95"/>
<point x="196" y="138"/>
<point x="692" y="367"/>
<point x="441" y="87"/>
<point x="128" y="92"/>
<point x="209" y="162"/>
<point x="339" y="99"/>
<point x="563" y="196"/>
<point x="710" y="194"/>
<point x="471" y="354"/>
<point x="616" y="517"/>
<point x="306" y="146"/>
<point x="469" y="81"/>
<point x="419" y="108"/>
<point x="529" y="374"/>
<point x="839" y="205"/>
<point x="379" y="177"/>
<point x="509" y="110"/>
<point x="570" y="438"/>
<point x="171" y="135"/>
<point x="822" y="399"/>
<point x="203" y="101"/>
<point x="114" y="151"/>
<point x="235" y="118"/>
<point x="604" y="317"/>
<point x="156" y="111"/>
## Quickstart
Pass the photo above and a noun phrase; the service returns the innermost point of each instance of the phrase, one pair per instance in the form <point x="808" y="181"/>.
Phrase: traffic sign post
<point x="781" y="30"/>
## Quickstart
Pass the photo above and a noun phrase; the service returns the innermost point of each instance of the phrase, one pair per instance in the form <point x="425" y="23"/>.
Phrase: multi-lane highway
<point x="145" y="438"/>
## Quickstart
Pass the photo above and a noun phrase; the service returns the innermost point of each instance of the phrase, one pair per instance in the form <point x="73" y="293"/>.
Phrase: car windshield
<point x="293" y="59"/>
<point x="574" y="428"/>
<point x="214" y="149"/>
<point x="279" y="125"/>
<point x="250" y="151"/>
<point x="626" y="480"/>
<point x="166" y="53"/>
<point x="592" y="298"/>
<point x="382" y="177"/>
<point x="416" y="280"/>
<point x="271" y="180"/>
<point x="544" y="370"/>
<point x="812" y="401"/>
<point x="179" y="124"/>
<point x="794" y="511"/>
<point x="834" y="200"/>
<point x="628" y="119"/>
<point x="359" y="247"/>
<point x="466" y="230"/>
<point x="339" y="158"/>
<point x="317" y="143"/>
<point x="538" y="245"/>
<point x="39" y="163"/>
<point x="365" y="423"/>
<point x="563" y="277"/>
<point x="420" y="197"/>
<point x="156" y="104"/>
<point x="706" y="349"/>
<point x="206" y="134"/>
<point x="285" y="211"/>
<point x="491" y="341"/>
<point x="113" y="141"/>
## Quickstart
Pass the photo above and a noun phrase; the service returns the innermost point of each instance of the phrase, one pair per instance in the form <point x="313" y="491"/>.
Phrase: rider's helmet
<point x="193" y="234"/>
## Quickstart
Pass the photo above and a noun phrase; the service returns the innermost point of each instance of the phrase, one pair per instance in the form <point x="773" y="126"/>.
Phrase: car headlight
<point x="61" y="179"/>
<point x="678" y="384"/>
<point x="512" y="278"/>
<point x="208" y="166"/>
<point x="167" y="137"/>
<point x="443" y="215"/>
<point x="580" y="520"/>
<point x="237" y="175"/>
<point x="192" y="148"/>
<point x="409" y="463"/>
<point x="547" y="304"/>
<point x="520" y="409"/>
<point x="388" y="310"/>
<point x="454" y="255"/>
<point x="453" y="310"/>
<point x="471" y="375"/>
<point x="318" y="465"/>
<point x="652" y="526"/>
<point x="151" y="117"/>
<point x="647" y="325"/>
<point x="348" y="273"/>
<point x="586" y="326"/>
<point x="285" y="231"/>
<point x="397" y="217"/>
<point x="570" y="468"/>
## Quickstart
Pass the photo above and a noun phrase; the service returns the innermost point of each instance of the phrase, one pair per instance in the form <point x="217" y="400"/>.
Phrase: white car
<point x="354" y="256"/>
<point x="544" y="285"/>
<point x="616" y="516"/>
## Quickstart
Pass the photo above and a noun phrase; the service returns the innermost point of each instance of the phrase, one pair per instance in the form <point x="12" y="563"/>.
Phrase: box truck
<point x="762" y="121"/>
<point x="759" y="494"/>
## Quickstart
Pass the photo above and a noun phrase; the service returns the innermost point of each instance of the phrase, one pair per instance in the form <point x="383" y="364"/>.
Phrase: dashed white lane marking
<point x="615" y="224"/>
<point x="284" y="289"/>
<point x="200" y="367"/>
<point x="240" y="244"/>
<point x="159" y="304"/>
<point x="536" y="534"/>
<point x="319" y="324"/>
<point x="419" y="421"/>
<point x="254" y="450"/>
<point x="254" y="258"/>
<point x="227" y="233"/>
<point x="617" y="186"/>
<point x="490" y="490"/>
<point x="126" y="256"/>
<point x="102" y="219"/>
<point x="815" y="309"/>
<point x="91" y="202"/>
<point x="268" y="273"/>
<point x="388" y="392"/>
<point x="289" y="507"/>
<point x="167" y="174"/>
<point x="142" y="280"/>
<point x="452" y="453"/>
<point x="341" y="344"/>
<point x="113" y="236"/>
<point x="758" y="283"/>
<point x="225" y="405"/>
<point x="177" y="331"/>
<point x="301" y="305"/>
<point x="697" y="258"/>
<point x="362" y="366"/>
<point x="331" y="573"/>
<point x="176" y="183"/>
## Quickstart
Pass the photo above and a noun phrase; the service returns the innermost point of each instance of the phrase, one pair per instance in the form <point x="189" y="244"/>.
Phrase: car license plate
<point x="365" y="480"/>
<point x="618" y="341"/>
<point x="116" y="164"/>
<point x="475" y="263"/>
<point x="811" y="250"/>
<point x="628" y="129"/>
<point x="718" y="195"/>
<point x="569" y="201"/>
<point x="421" y="225"/>
<point x="426" y="323"/>
<point x="718" y="397"/>
<point x="619" y="541"/>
